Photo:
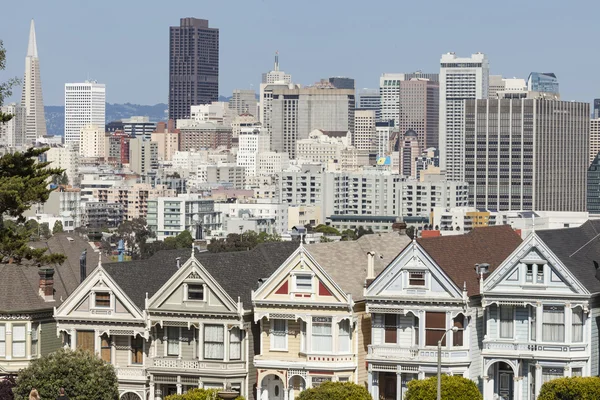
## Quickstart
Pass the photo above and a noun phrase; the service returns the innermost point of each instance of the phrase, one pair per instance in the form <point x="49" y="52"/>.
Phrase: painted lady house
<point x="311" y="311"/>
<point x="173" y="322"/>
<point x="428" y="289"/>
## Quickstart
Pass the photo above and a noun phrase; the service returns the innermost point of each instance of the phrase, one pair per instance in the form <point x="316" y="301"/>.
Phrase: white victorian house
<point x="428" y="289"/>
<point x="540" y="320"/>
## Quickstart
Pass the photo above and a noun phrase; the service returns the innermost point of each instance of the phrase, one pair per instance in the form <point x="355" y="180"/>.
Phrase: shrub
<point x="199" y="394"/>
<point x="336" y="391"/>
<point x="83" y="375"/>
<point x="571" y="389"/>
<point x="453" y="388"/>
<point x="6" y="388"/>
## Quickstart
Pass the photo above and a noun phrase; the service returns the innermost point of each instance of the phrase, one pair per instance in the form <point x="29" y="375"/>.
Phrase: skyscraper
<point x="526" y="154"/>
<point x="594" y="139"/>
<point x="193" y="66"/>
<point x="369" y="99"/>
<point x="389" y="90"/>
<point x="545" y="82"/>
<point x="460" y="79"/>
<point x="596" y="108"/>
<point x="85" y="104"/>
<point x="340" y="82"/>
<point x="419" y="110"/>
<point x="276" y="76"/>
<point x="243" y="101"/>
<point x="31" y="97"/>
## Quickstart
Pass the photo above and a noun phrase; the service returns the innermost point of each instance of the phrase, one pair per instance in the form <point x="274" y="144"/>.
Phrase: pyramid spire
<point x="32" y="47"/>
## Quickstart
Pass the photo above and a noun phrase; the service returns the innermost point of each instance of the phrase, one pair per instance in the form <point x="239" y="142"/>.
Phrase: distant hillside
<point x="55" y="115"/>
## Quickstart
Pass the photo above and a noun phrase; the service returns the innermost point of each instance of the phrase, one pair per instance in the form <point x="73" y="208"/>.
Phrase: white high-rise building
<point x="276" y="76"/>
<point x="243" y="101"/>
<point x="253" y="140"/>
<point x="67" y="158"/>
<point x="85" y="104"/>
<point x="389" y="91"/>
<point x="269" y="78"/>
<point x="92" y="142"/>
<point x="12" y="133"/>
<point x="461" y="78"/>
<point x="594" y="138"/>
<point x="31" y="97"/>
<point x="365" y="133"/>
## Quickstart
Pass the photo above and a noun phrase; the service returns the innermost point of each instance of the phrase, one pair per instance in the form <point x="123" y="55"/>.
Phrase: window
<point x="2" y="340"/>
<point x="459" y="322"/>
<point x="137" y="350"/>
<point x="102" y="299"/>
<point x="553" y="324"/>
<point x="214" y="342"/>
<point x="529" y="273"/>
<point x="34" y="338"/>
<point x="304" y="283"/>
<point x="195" y="292"/>
<point x="540" y="274"/>
<point x="302" y="336"/>
<point x="279" y="334"/>
<point x="18" y="340"/>
<point x="105" y="351"/>
<point x="532" y="322"/>
<point x="577" y="325"/>
<point x="416" y="330"/>
<point x="416" y="278"/>
<point x="390" y="327"/>
<point x="85" y="341"/>
<point x="576" y="372"/>
<point x="235" y="344"/>
<point x="322" y="336"/>
<point x="318" y="380"/>
<point x="506" y="321"/>
<point x="344" y="336"/>
<point x="549" y="374"/>
<point x="172" y="341"/>
<point x="435" y="326"/>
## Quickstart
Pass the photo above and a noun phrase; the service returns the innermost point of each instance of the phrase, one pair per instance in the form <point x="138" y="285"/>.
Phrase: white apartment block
<point x="243" y="102"/>
<point x="365" y="132"/>
<point x="143" y="155"/>
<point x="134" y="198"/>
<point x="325" y="147"/>
<point x="242" y="121"/>
<point x="13" y="132"/>
<point x="216" y="112"/>
<point x="499" y="85"/>
<point x="228" y="174"/>
<point x="85" y="104"/>
<point x="461" y="78"/>
<point x="253" y="140"/>
<point x="263" y="209"/>
<point x="594" y="138"/>
<point x="67" y="158"/>
<point x="167" y="144"/>
<point x="271" y="163"/>
<point x="92" y="142"/>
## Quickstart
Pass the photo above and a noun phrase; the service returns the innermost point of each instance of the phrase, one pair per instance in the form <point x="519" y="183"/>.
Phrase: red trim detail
<point x="283" y="289"/>
<point x="323" y="291"/>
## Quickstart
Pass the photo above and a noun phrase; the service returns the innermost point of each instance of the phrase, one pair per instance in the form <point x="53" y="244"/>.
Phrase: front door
<point x="275" y="388"/>
<point x="388" y="384"/>
<point x="505" y="385"/>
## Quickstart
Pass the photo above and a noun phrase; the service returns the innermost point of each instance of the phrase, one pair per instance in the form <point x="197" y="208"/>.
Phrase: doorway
<point x="505" y="381"/>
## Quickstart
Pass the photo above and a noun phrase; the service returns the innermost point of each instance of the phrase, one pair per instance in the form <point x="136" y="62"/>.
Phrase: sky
<point x="124" y="43"/>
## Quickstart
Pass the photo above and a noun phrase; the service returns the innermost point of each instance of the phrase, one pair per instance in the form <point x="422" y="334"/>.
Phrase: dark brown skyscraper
<point x="193" y="66"/>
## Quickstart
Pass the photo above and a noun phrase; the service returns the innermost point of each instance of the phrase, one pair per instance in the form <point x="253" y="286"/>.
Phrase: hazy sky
<point x="124" y="43"/>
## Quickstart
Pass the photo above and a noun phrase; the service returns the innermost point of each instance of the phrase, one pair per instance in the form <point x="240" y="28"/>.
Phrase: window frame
<point x="213" y="342"/>
<point x="303" y="289"/>
<point x="187" y="292"/>
<point x="545" y="331"/>
<point x="579" y="311"/>
<point x="390" y="329"/>
<point x="511" y="320"/>
<point x="134" y="348"/>
<point x="15" y="341"/>
<point x="238" y="342"/>
<point x="435" y="329"/>
<point x="106" y="344"/>
<point x="285" y="334"/>
<point x="423" y="279"/>
<point x="343" y="338"/>
<point x="35" y="339"/>
<point x="3" y="340"/>
<point x="324" y="322"/>
<point x="104" y="307"/>
<point x="170" y="329"/>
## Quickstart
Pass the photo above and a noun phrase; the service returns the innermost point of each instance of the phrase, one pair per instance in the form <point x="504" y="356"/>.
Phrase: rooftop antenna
<point x="277" y="60"/>
<point x="532" y="222"/>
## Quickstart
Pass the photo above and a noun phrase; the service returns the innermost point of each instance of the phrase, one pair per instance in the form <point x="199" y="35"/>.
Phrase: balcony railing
<point x="529" y="347"/>
<point x="130" y="372"/>
<point x="176" y="363"/>
<point x="394" y="352"/>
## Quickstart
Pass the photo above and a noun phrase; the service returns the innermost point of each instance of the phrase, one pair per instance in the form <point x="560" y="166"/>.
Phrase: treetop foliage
<point x="336" y="391"/>
<point x="454" y="387"/>
<point x="577" y="388"/>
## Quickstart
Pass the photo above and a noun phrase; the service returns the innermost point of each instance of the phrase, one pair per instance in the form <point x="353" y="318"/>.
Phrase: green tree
<point x="58" y="227"/>
<point x="45" y="231"/>
<point x="336" y="391"/>
<point x="83" y="375"/>
<point x="410" y="231"/>
<point x="184" y="240"/>
<point x="453" y="388"/>
<point x="33" y="226"/>
<point x="327" y="230"/>
<point x="135" y="233"/>
<point x="6" y="388"/>
<point x="578" y="388"/>
<point x="6" y="87"/>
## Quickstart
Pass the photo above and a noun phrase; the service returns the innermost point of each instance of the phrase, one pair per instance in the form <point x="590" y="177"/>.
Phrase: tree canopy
<point x="135" y="233"/>
<point x="577" y="388"/>
<point x="198" y="394"/>
<point x="454" y="387"/>
<point x="5" y="87"/>
<point x="236" y="242"/>
<point x="58" y="227"/>
<point x="82" y="374"/>
<point x="336" y="391"/>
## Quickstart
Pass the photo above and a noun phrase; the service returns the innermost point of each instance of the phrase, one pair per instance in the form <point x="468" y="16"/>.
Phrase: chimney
<point x="83" y="265"/>
<point x="370" y="268"/>
<point x="46" y="283"/>
<point x="178" y="259"/>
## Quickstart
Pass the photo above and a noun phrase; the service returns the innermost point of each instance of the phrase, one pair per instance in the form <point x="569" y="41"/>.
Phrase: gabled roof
<point x="237" y="272"/>
<point x="457" y="255"/>
<point x="19" y="286"/>
<point x="578" y="249"/>
<point x="346" y="262"/>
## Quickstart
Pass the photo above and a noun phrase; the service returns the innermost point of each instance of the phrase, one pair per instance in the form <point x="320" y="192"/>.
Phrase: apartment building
<point x="133" y="199"/>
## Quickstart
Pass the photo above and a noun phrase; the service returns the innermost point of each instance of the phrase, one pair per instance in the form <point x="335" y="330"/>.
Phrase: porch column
<point x="179" y="386"/>
<point x="73" y="334"/>
<point x="538" y="323"/>
<point x="488" y="386"/>
<point x="518" y="387"/>
<point x="538" y="379"/>
<point x="398" y="385"/>
<point x="286" y="394"/>
<point x="151" y="394"/>
<point x="257" y="392"/>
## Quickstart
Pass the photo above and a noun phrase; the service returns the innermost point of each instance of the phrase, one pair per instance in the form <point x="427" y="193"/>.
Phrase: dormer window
<point x="529" y="273"/>
<point x="540" y="274"/>
<point x="102" y="299"/>
<point x="416" y="278"/>
<point x="304" y="283"/>
<point x="195" y="292"/>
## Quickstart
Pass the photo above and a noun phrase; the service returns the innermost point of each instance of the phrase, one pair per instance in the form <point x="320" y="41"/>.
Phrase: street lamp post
<point x="439" y="362"/>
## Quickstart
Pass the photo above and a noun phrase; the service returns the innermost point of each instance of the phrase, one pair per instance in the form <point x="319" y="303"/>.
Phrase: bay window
<point x="214" y="342"/>
<point x="391" y="328"/>
<point x="235" y="344"/>
<point x="105" y="348"/>
<point x="322" y="335"/>
<point x="18" y="340"/>
<point x="2" y="340"/>
<point x="172" y="341"/>
<point x="577" y="325"/>
<point x="279" y="334"/>
<point x="553" y="324"/>
<point x="344" y="336"/>
<point x="34" y="338"/>
<point x="137" y="350"/>
<point x="532" y="322"/>
<point x="507" y="322"/>
<point x="549" y="374"/>
<point x="457" y="337"/>
<point x="435" y="326"/>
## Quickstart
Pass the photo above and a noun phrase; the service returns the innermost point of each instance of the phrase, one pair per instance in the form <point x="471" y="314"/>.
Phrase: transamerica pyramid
<point x="31" y="97"/>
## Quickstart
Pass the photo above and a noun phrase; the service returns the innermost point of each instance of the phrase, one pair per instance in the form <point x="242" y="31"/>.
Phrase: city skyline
<point x="102" y="55"/>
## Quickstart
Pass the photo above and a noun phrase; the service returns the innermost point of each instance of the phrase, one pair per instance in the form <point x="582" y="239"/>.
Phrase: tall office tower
<point x="369" y="99"/>
<point x="85" y="104"/>
<point x="340" y="82"/>
<point x="596" y="108"/>
<point x="460" y="79"/>
<point x="12" y="133"/>
<point x="409" y="152"/>
<point x="389" y="91"/>
<point x="526" y="154"/>
<point x="143" y="155"/>
<point x="276" y="76"/>
<point x="365" y="134"/>
<point x="193" y="66"/>
<point x="594" y="139"/>
<point x="419" y="102"/>
<point x="593" y="186"/>
<point x="291" y="113"/>
<point x="31" y="97"/>
<point x="386" y="137"/>
<point x="253" y="140"/>
<point x="243" y="102"/>
<point x="545" y="82"/>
